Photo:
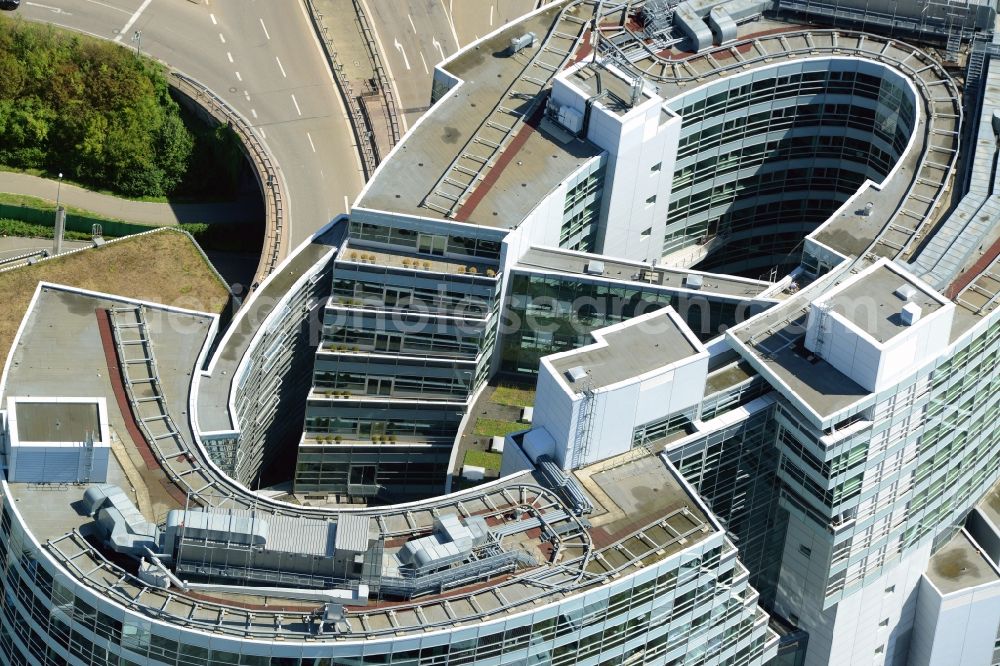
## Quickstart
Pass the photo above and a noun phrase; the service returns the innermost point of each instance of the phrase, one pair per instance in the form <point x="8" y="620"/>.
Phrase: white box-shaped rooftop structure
<point x="590" y="399"/>
<point x="879" y="325"/>
<point x="57" y="440"/>
<point x="623" y="115"/>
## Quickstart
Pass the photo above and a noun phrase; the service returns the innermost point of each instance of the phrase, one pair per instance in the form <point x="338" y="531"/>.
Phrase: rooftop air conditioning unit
<point x="910" y="314"/>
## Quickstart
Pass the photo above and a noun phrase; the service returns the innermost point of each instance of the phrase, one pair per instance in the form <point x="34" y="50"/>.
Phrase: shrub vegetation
<point x="93" y="110"/>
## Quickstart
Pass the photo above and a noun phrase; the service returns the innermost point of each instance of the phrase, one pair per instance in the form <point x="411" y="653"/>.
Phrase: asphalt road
<point x="417" y="34"/>
<point x="262" y="57"/>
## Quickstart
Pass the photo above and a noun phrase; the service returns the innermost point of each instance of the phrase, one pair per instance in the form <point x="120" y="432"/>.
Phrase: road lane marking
<point x="214" y="22"/>
<point x="222" y="38"/>
<point x="411" y="24"/>
<point x="253" y="112"/>
<point x="448" y="11"/>
<point x="104" y="4"/>
<point x="424" y="62"/>
<point x="132" y="19"/>
<point x="54" y="10"/>
<point x="347" y="205"/>
<point x="281" y="68"/>
<point x="266" y="34"/>
<point x="238" y="77"/>
<point x="491" y="16"/>
<point x="230" y="56"/>
<point x="438" y="46"/>
<point x="296" y="103"/>
<point x="399" y="47"/>
<point x="261" y="130"/>
<point x="311" y="144"/>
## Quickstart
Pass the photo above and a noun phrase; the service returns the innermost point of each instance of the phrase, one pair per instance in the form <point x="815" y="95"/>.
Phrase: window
<point x="651" y="199"/>
<point x="884" y="623"/>
<point x="890" y="589"/>
<point x="880" y="649"/>
<point x="656" y="167"/>
<point x="806" y="551"/>
<point x="647" y="231"/>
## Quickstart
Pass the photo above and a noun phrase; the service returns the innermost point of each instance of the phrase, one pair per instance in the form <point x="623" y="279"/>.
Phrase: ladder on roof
<point x="584" y="426"/>
<point x="88" y="460"/>
<point x="974" y="68"/>
<point x="824" y="314"/>
<point x="516" y="105"/>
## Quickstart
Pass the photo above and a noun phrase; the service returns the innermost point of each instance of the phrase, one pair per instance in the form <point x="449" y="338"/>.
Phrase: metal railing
<point x="267" y="175"/>
<point x="383" y="80"/>
<point x="359" y="127"/>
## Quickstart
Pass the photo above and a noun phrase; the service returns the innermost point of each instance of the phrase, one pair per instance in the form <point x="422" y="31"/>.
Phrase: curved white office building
<point x="752" y="284"/>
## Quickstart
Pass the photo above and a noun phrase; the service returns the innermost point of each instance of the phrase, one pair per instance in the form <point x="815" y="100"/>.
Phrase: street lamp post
<point x="59" y="229"/>
<point x="137" y="38"/>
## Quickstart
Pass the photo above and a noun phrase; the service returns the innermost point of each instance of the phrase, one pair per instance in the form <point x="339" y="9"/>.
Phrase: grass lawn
<point x="514" y="397"/>
<point x="163" y="267"/>
<point x="496" y="427"/>
<point x="485" y="459"/>
<point x="42" y="204"/>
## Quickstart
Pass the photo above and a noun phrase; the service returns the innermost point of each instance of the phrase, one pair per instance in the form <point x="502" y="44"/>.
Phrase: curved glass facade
<point x="766" y="157"/>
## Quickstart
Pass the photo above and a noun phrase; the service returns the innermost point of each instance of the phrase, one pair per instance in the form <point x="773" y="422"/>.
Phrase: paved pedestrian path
<point x="142" y="212"/>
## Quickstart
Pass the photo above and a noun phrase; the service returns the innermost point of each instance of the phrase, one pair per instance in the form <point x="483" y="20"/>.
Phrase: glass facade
<point x="582" y="210"/>
<point x="406" y="339"/>
<point x="546" y="314"/>
<point x="765" y="157"/>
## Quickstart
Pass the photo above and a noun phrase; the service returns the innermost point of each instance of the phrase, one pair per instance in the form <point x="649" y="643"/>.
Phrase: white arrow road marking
<point x="399" y="47"/>
<point x="438" y="46"/>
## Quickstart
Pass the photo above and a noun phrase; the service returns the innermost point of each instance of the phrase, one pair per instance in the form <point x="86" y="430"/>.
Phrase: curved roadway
<point x="263" y="58"/>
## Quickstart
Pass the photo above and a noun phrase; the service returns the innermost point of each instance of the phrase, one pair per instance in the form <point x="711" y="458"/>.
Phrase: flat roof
<point x="57" y="421"/>
<point x="959" y="564"/>
<point x="633" y="492"/>
<point x="534" y="163"/>
<point x="62" y="343"/>
<point x="627" y="350"/>
<point x="61" y="346"/>
<point x="575" y="263"/>
<point x="775" y="342"/>
<point x="871" y="302"/>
